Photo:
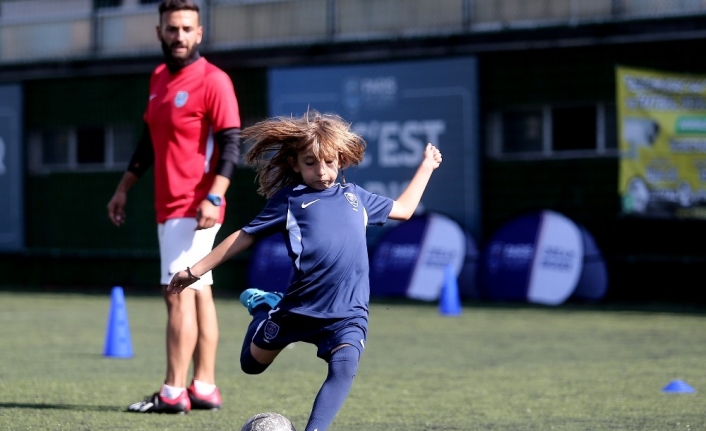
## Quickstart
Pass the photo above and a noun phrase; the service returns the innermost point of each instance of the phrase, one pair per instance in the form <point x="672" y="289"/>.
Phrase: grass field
<point x="495" y="367"/>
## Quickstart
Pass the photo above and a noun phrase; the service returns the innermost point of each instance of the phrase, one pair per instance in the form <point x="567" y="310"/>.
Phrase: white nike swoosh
<point x="140" y="406"/>
<point x="152" y="96"/>
<point x="306" y="204"/>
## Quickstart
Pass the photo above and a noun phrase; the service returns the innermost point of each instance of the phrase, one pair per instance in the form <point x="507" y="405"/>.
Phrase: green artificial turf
<point x="495" y="367"/>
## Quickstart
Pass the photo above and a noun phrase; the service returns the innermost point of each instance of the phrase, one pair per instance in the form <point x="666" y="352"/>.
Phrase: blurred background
<point x="522" y="97"/>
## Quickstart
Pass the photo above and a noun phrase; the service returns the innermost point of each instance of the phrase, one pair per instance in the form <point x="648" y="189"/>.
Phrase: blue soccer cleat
<point x="254" y="298"/>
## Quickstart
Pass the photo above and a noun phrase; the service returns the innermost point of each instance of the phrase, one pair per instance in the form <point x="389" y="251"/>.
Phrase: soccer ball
<point x="268" y="422"/>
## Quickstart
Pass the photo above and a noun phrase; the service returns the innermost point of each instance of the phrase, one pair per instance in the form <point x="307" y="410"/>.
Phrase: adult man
<point x="191" y="136"/>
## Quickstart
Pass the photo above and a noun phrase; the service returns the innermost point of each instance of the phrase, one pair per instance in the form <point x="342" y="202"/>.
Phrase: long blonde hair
<point x="274" y="141"/>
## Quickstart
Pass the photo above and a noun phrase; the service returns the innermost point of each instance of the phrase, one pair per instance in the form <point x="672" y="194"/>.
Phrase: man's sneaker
<point x="204" y="402"/>
<point x="253" y="298"/>
<point x="158" y="404"/>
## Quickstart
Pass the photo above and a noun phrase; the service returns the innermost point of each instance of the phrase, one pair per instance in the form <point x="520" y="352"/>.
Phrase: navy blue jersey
<point x="324" y="231"/>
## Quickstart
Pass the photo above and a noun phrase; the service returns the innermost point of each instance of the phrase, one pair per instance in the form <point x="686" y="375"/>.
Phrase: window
<point x="553" y="131"/>
<point x="573" y="128"/>
<point x="522" y="130"/>
<point x="106" y="3"/>
<point x="90" y="145"/>
<point x="99" y="4"/>
<point x="94" y="148"/>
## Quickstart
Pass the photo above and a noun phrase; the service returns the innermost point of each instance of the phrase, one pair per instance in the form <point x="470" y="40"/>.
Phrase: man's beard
<point x="176" y="63"/>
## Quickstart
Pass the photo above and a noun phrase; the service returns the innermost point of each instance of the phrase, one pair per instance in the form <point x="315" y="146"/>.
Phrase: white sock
<point x="170" y="392"/>
<point x="204" y="388"/>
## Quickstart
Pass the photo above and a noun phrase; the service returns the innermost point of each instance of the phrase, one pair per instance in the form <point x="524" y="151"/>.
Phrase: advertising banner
<point x="542" y="258"/>
<point x="410" y="260"/>
<point x="11" y="172"/>
<point x="270" y="268"/>
<point x="399" y="107"/>
<point x="662" y="141"/>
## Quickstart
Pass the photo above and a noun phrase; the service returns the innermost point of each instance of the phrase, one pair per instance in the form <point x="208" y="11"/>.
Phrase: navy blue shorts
<point x="283" y="328"/>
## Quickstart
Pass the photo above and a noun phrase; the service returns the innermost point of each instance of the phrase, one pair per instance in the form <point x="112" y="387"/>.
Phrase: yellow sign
<point x="662" y="141"/>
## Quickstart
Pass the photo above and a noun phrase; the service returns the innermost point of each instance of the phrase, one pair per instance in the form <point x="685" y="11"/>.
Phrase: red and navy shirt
<point x="184" y="110"/>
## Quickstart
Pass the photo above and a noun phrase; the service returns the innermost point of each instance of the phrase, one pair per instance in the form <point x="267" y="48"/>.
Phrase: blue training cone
<point x="678" y="387"/>
<point x="450" y="302"/>
<point x="118" y="343"/>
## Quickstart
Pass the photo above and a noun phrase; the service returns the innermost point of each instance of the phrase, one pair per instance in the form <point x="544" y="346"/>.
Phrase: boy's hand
<point x="432" y="156"/>
<point x="181" y="281"/>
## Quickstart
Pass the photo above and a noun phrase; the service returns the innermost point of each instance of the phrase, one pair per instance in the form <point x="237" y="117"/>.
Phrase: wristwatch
<point x="216" y="200"/>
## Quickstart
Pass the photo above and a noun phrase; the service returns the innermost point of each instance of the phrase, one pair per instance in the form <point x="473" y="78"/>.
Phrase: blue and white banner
<point x="11" y="169"/>
<point x="593" y="284"/>
<point x="542" y="258"/>
<point x="398" y="107"/>
<point x="410" y="259"/>
<point x="270" y="268"/>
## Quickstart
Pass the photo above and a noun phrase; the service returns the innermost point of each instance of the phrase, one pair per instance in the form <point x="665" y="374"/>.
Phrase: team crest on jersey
<point x="352" y="199"/>
<point x="181" y="98"/>
<point x="271" y="330"/>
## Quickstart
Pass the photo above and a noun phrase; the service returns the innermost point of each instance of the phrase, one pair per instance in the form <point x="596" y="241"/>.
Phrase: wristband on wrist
<point x="188" y="271"/>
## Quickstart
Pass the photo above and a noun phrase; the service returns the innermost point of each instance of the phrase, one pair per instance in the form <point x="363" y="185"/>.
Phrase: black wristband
<point x="188" y="271"/>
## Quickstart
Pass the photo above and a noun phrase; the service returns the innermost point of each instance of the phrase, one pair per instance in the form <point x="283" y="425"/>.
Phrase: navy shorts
<point x="283" y="328"/>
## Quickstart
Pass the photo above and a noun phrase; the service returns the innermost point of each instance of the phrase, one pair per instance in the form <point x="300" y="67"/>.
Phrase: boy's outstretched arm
<point x="229" y="247"/>
<point x="403" y="208"/>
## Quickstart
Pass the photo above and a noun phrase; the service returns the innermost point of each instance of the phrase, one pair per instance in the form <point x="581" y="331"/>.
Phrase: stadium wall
<point x="69" y="241"/>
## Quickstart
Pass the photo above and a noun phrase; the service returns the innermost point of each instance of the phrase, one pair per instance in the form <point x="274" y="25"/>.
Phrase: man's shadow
<point x="41" y="406"/>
